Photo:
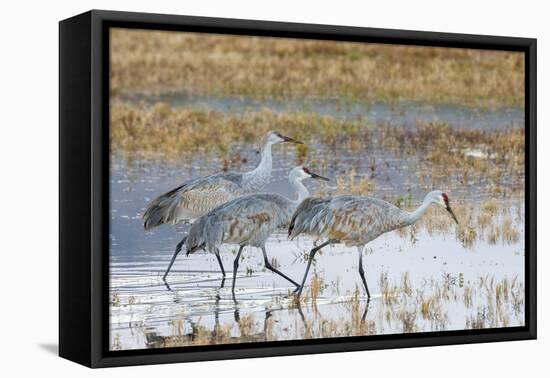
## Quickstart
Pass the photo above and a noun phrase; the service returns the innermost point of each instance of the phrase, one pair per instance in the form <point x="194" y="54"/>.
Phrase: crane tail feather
<point x="302" y="218"/>
<point x="161" y="210"/>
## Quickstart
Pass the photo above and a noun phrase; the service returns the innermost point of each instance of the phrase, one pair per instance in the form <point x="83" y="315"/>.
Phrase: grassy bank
<point x="177" y="133"/>
<point x="164" y="62"/>
<point x="436" y="149"/>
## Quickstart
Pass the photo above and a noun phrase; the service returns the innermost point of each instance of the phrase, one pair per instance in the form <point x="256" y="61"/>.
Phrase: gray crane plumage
<point x="245" y="220"/>
<point x="192" y="199"/>
<point x="354" y="221"/>
<point x="248" y="221"/>
<point x="196" y="197"/>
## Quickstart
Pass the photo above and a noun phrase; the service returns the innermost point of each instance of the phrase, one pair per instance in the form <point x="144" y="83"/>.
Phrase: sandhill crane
<point x="247" y="221"/>
<point x="196" y="197"/>
<point x="355" y="221"/>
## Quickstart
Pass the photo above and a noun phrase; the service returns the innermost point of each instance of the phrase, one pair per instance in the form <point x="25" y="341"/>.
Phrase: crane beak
<point x="289" y="139"/>
<point x="452" y="214"/>
<point x="318" y="177"/>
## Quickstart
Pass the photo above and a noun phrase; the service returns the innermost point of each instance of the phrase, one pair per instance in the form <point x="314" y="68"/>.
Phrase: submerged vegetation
<point x="258" y="67"/>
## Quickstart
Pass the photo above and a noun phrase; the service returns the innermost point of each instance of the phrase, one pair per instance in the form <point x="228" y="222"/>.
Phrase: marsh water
<point x="421" y="280"/>
<point x="403" y="114"/>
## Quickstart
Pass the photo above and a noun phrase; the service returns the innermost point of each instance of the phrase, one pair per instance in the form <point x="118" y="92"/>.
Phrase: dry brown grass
<point x="316" y="288"/>
<point x="177" y="133"/>
<point x="443" y="150"/>
<point x="437" y="149"/>
<point x="484" y="222"/>
<point x="244" y="330"/>
<point x="160" y="62"/>
<point x="509" y="232"/>
<point x="351" y="183"/>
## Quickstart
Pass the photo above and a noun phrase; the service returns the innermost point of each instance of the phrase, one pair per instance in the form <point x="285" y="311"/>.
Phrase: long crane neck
<point x="413" y="217"/>
<point x="260" y="175"/>
<point x="266" y="162"/>
<point x="300" y="189"/>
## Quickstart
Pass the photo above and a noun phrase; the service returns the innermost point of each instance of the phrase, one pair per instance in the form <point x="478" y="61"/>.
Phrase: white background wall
<point x="29" y="189"/>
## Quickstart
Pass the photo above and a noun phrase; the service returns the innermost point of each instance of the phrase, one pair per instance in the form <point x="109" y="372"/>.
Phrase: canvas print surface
<point x="268" y="189"/>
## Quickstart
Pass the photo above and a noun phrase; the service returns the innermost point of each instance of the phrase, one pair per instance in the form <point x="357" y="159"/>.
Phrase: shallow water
<point x="146" y="306"/>
<point x="403" y="114"/>
<point x="467" y="283"/>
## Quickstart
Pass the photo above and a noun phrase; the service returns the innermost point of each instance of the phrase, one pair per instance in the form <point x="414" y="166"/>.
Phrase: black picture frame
<point x="84" y="187"/>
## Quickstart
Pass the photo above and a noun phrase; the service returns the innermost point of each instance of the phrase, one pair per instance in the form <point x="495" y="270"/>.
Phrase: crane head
<point x="309" y="174"/>
<point x="444" y="201"/>
<point x="301" y="173"/>
<point x="275" y="137"/>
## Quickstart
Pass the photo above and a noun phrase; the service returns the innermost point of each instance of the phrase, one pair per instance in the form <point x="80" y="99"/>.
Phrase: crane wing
<point x="360" y="218"/>
<point x="243" y="220"/>
<point x="343" y="218"/>
<point x="192" y="199"/>
<point x="304" y="214"/>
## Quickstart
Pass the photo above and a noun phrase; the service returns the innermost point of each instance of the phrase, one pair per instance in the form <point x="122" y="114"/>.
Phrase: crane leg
<point x="362" y="272"/>
<point x="310" y="260"/>
<point x="365" y="312"/>
<point x="274" y="270"/>
<point x="176" y="253"/>
<point x="217" y="253"/>
<point x="235" y="268"/>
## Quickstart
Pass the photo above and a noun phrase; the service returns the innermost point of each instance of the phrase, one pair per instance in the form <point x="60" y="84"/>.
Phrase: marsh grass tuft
<point x="316" y="288"/>
<point x="351" y="183"/>
<point x="509" y="232"/>
<point x="476" y="223"/>
<point x="160" y="132"/>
